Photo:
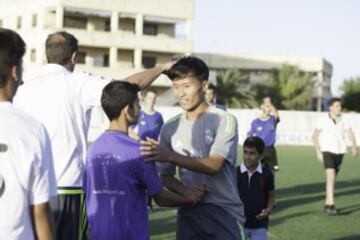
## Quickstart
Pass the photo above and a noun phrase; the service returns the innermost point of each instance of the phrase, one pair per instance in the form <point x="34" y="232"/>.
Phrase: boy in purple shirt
<point x="150" y="121"/>
<point x="117" y="178"/>
<point x="265" y="128"/>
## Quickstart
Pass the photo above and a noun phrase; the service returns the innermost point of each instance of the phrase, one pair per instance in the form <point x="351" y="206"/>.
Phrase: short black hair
<point x="12" y="49"/>
<point x="116" y="95"/>
<point x="60" y="46"/>
<point x="212" y="87"/>
<point x="189" y="65"/>
<point x="255" y="142"/>
<point x="334" y="100"/>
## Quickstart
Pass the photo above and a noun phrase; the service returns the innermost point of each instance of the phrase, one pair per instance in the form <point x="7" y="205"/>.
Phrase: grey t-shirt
<point x="214" y="133"/>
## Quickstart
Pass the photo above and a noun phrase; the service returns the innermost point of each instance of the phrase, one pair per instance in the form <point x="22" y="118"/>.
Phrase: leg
<point x="330" y="186"/>
<point x="69" y="216"/>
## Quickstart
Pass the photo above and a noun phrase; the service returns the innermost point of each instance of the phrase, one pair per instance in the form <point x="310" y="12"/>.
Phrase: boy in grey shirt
<point x="203" y="143"/>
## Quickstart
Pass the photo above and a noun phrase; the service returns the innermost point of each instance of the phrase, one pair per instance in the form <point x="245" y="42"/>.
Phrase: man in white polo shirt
<point x="330" y="144"/>
<point x="27" y="179"/>
<point x="62" y="100"/>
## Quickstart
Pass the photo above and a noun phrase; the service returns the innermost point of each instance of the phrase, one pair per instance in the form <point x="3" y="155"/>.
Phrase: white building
<point x="257" y="67"/>
<point x="116" y="37"/>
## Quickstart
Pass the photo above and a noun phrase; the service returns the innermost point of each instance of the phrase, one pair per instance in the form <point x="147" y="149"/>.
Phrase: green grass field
<point x="300" y="198"/>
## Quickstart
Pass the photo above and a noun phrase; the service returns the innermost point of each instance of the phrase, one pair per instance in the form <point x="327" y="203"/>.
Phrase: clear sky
<point x="327" y="28"/>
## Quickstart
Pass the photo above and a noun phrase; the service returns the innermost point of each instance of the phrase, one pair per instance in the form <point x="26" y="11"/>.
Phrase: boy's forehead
<point x="190" y="78"/>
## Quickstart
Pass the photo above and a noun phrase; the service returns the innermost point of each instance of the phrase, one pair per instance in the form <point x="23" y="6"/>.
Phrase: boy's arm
<point x="269" y="206"/>
<point x="171" y="199"/>
<point x="208" y="165"/>
<point x="145" y="78"/>
<point x="354" y="150"/>
<point x="315" y="139"/>
<point x="42" y="221"/>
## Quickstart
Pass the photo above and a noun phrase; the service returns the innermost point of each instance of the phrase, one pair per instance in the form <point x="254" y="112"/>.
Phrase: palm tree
<point x="351" y="94"/>
<point x="231" y="89"/>
<point x="289" y="87"/>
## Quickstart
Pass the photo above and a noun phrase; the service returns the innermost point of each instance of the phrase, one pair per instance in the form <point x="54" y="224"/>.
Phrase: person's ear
<point x="13" y="73"/>
<point x="205" y="85"/>
<point x="73" y="58"/>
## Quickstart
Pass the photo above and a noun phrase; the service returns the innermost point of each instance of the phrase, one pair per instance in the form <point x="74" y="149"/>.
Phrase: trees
<point x="289" y="88"/>
<point x="351" y="94"/>
<point x="231" y="89"/>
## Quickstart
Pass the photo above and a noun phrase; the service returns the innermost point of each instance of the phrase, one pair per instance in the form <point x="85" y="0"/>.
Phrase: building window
<point x="107" y="25"/>
<point x="81" y="57"/>
<point x="34" y="20"/>
<point x="18" y="22"/>
<point x="33" y="55"/>
<point x="150" y="29"/>
<point x="75" y="22"/>
<point x="101" y="61"/>
<point x="148" y="62"/>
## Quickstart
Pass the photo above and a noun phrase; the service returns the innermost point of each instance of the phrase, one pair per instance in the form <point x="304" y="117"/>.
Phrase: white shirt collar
<point x="54" y="67"/>
<point x="243" y="168"/>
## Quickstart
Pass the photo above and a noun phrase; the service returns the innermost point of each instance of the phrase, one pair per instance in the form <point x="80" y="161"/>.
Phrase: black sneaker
<point x="330" y="209"/>
<point x="326" y="208"/>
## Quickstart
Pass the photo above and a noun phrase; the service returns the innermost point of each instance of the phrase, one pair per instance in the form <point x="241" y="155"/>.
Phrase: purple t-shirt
<point x="149" y="125"/>
<point x="116" y="181"/>
<point x="265" y="129"/>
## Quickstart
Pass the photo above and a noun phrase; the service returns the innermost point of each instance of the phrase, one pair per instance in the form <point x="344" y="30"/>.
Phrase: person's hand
<point x="195" y="193"/>
<point x="263" y="215"/>
<point x="152" y="150"/>
<point x="354" y="152"/>
<point x="320" y="156"/>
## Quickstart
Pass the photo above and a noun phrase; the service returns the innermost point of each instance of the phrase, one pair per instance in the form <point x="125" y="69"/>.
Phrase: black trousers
<point x="69" y="213"/>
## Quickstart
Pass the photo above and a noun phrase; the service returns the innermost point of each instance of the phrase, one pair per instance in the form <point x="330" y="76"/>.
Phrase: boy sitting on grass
<point x="117" y="177"/>
<point x="256" y="188"/>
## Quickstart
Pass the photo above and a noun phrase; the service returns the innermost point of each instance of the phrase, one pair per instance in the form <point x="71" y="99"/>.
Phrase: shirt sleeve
<point x="90" y="88"/>
<point x="165" y="168"/>
<point x="147" y="174"/>
<point x="226" y="139"/>
<point x="43" y="181"/>
<point x="252" y="129"/>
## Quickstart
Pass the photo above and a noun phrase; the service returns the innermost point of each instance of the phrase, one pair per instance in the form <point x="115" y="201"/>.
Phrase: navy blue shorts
<point x="207" y="221"/>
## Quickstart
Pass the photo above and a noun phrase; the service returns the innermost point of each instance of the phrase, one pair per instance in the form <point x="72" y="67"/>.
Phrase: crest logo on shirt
<point x="259" y="129"/>
<point x="209" y="136"/>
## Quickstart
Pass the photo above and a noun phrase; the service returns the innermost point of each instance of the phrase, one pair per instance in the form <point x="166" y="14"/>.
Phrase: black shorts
<point x="332" y="160"/>
<point x="270" y="157"/>
<point x="68" y="209"/>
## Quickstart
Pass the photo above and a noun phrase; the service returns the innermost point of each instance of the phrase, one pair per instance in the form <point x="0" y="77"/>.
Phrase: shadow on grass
<point x="313" y="188"/>
<point x="301" y="199"/>
<point x="279" y="220"/>
<point x="352" y="237"/>
<point x="348" y="210"/>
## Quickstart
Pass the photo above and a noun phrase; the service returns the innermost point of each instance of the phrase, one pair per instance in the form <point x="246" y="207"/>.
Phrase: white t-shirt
<point x="62" y="101"/>
<point x="332" y="136"/>
<point x="26" y="171"/>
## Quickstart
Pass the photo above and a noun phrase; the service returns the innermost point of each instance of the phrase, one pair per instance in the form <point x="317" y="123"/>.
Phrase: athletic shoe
<point x="276" y="168"/>
<point x="330" y="209"/>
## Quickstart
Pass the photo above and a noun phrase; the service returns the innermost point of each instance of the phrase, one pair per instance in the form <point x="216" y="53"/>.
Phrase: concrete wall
<point x="295" y="127"/>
